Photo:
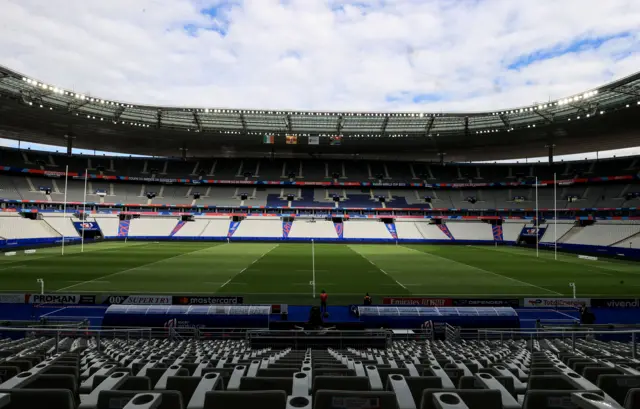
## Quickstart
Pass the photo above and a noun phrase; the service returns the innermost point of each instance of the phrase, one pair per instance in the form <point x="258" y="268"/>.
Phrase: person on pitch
<point x="323" y="301"/>
<point x="367" y="300"/>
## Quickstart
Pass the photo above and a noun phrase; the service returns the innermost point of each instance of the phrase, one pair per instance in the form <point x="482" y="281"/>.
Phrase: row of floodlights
<point x="560" y="102"/>
<point x="236" y="111"/>
<point x="80" y="97"/>
<point x="351" y="114"/>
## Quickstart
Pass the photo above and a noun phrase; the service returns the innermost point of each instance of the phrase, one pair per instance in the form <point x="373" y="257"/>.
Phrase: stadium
<point x="187" y="271"/>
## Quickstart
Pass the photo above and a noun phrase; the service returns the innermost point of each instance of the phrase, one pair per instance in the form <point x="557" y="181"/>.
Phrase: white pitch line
<point x="376" y="266"/>
<point x="131" y="269"/>
<point x="566" y="315"/>
<point x="9" y="268"/>
<point x="485" y="271"/>
<point x="53" y="312"/>
<point x="545" y="259"/>
<point x="252" y="263"/>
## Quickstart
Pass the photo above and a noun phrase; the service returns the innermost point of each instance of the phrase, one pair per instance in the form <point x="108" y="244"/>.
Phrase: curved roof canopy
<point x="159" y="130"/>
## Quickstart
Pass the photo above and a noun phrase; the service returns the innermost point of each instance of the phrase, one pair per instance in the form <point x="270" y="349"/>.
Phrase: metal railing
<point x="568" y="335"/>
<point x="302" y="339"/>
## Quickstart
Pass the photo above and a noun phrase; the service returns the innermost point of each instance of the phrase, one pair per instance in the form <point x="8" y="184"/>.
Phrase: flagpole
<point x="555" y="216"/>
<point x="313" y="266"/>
<point x="64" y="206"/>
<point x="84" y="209"/>
<point x="537" y="222"/>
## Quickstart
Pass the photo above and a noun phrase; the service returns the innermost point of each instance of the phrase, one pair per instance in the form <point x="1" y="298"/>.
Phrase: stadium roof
<point x="598" y="119"/>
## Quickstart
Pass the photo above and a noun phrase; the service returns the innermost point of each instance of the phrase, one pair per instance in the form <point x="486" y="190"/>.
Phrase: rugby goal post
<point x="41" y="282"/>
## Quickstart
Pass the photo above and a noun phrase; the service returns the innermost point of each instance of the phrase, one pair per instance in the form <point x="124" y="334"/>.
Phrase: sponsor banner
<point x="71" y="299"/>
<point x="205" y="300"/>
<point x="615" y="302"/>
<point x="86" y="226"/>
<point x="557" y="302"/>
<point x="12" y="298"/>
<point x="314" y="140"/>
<point x="428" y="302"/>
<point x="392" y="230"/>
<point x="233" y="226"/>
<point x="29" y="252"/>
<point x="531" y="231"/>
<point x="286" y="229"/>
<point x="480" y="302"/>
<point x="10" y="253"/>
<point x="497" y="233"/>
<point x="137" y="299"/>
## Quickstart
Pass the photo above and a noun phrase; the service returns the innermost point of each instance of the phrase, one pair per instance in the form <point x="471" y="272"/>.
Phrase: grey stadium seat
<point x="473" y="398"/>
<point x="255" y="399"/>
<point x="330" y="399"/>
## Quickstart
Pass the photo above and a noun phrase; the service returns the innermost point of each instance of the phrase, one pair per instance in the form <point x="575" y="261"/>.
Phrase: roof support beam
<point x="634" y="92"/>
<point x="340" y="125"/>
<point x="384" y="125"/>
<point x="158" y="118"/>
<point x="196" y="119"/>
<point x="427" y="130"/>
<point x="118" y="113"/>
<point x="466" y="126"/>
<point x="505" y="121"/>
<point x="548" y="118"/>
<point x="287" y="120"/>
<point x="586" y="108"/>
<point x="243" y="121"/>
<point x="72" y="108"/>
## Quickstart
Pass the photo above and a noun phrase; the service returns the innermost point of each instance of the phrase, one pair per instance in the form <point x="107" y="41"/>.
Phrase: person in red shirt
<point x="323" y="301"/>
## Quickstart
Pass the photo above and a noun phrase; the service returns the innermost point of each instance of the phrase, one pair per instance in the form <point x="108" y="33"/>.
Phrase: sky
<point x="350" y="55"/>
<point x="364" y="55"/>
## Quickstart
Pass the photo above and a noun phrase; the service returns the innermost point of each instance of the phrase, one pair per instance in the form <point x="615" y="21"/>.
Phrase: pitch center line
<point x="134" y="268"/>
<point x="252" y="263"/>
<point x="376" y="266"/>
<point x="485" y="271"/>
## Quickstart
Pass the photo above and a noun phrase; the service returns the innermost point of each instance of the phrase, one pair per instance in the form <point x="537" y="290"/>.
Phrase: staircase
<point x="50" y="228"/>
<point x="30" y="183"/>
<point x="570" y="234"/>
<point x="633" y="236"/>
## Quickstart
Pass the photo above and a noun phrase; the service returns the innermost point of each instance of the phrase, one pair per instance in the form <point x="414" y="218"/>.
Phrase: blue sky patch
<point x="576" y="46"/>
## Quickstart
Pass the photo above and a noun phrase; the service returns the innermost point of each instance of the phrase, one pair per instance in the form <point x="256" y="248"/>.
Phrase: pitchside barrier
<point x="164" y="299"/>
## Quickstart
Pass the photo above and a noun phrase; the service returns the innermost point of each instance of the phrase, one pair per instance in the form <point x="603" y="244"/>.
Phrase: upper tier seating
<point x="314" y="169"/>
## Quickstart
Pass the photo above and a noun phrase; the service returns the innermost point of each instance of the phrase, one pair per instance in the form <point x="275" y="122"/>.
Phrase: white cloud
<point x="323" y="54"/>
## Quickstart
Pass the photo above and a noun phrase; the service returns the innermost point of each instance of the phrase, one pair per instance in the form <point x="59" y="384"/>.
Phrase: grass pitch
<point x="282" y="272"/>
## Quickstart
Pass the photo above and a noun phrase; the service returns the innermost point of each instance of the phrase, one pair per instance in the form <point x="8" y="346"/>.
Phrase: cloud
<point x="376" y="55"/>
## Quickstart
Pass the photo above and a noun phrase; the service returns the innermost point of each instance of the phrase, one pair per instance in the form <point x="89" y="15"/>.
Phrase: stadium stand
<point x="363" y="229"/>
<point x="470" y="230"/>
<point x="259" y="228"/>
<point x="321" y="229"/>
<point x="408" y="230"/>
<point x="14" y="226"/>
<point x="604" y="234"/>
<point x="108" y="224"/>
<point x="63" y="225"/>
<point x="100" y="373"/>
<point x="152" y="227"/>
